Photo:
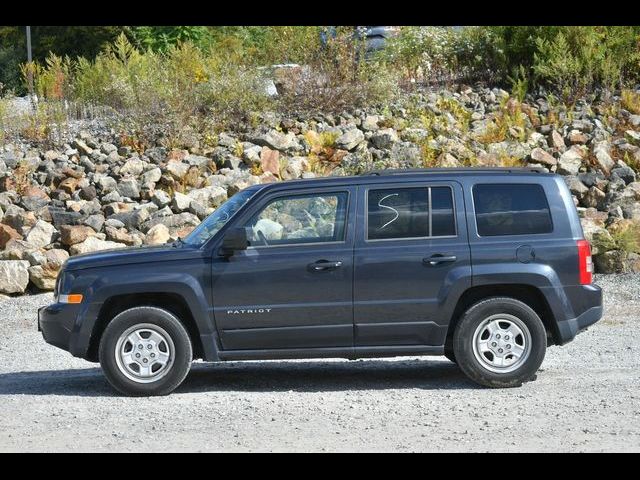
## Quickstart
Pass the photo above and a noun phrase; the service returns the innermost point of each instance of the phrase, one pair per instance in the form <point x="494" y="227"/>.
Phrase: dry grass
<point x="630" y="101"/>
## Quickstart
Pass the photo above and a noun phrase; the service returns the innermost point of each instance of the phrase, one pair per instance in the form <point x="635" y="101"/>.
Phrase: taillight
<point x="585" y="262"/>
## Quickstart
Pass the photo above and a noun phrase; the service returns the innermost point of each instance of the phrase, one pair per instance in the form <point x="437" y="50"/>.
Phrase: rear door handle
<point x="324" y="265"/>
<point x="437" y="259"/>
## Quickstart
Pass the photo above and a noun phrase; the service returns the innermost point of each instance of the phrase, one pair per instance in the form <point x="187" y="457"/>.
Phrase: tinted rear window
<point x="511" y="209"/>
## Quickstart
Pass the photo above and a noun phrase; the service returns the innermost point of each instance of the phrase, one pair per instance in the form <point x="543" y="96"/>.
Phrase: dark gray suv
<point x="485" y="266"/>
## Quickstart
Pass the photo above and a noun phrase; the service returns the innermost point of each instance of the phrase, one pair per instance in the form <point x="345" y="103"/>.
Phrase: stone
<point x="296" y="166"/>
<point x="107" y="184"/>
<point x="350" y="139"/>
<point x="93" y="244"/>
<point x="177" y="168"/>
<point x="570" y="162"/>
<point x="251" y="154"/>
<point x="213" y="196"/>
<point x="55" y="258"/>
<point x="88" y="193"/>
<point x="152" y="176"/>
<point x="632" y="137"/>
<point x="128" y="187"/>
<point x="68" y="185"/>
<point x="623" y="172"/>
<point x="134" y="167"/>
<point x="577" y="137"/>
<point x="278" y="141"/>
<point x="60" y="217"/>
<point x="74" y="234"/>
<point x="121" y="235"/>
<point x="406" y="154"/>
<point x="14" y="276"/>
<point x="81" y="146"/>
<point x="160" y="198"/>
<point x="446" y="160"/>
<point x="157" y="235"/>
<point x="270" y="229"/>
<point x="603" y="158"/>
<point x="41" y="234"/>
<point x="130" y="219"/>
<point x="42" y="277"/>
<point x="36" y="257"/>
<point x="270" y="161"/>
<point x="370" y="123"/>
<point x="384" y="138"/>
<point x="594" y="198"/>
<point x="576" y="187"/>
<point x="33" y="203"/>
<point x="173" y="222"/>
<point x="8" y="233"/>
<point x="557" y="141"/>
<point x="617" y="261"/>
<point x="114" y="222"/>
<point x="180" y="202"/>
<point x="538" y="155"/>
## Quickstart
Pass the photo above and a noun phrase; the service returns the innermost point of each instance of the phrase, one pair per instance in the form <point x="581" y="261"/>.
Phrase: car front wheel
<point x="500" y="342"/>
<point x="145" y="351"/>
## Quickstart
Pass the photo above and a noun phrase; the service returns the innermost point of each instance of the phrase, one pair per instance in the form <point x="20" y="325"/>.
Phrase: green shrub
<point x="625" y="238"/>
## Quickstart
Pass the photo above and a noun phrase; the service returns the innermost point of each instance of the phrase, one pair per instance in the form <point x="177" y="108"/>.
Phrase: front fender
<point x="99" y="285"/>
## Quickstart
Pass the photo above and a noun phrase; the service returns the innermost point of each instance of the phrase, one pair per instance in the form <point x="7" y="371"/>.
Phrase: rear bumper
<point x="591" y="312"/>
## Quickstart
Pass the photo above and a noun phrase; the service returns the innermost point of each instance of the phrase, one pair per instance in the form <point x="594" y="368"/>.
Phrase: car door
<point x="411" y="246"/>
<point x="293" y="287"/>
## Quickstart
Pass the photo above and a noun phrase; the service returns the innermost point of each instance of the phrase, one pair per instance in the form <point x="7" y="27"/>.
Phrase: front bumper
<point x="56" y="322"/>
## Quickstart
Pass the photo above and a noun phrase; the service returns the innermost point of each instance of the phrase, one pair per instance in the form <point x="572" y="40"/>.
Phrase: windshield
<point x="214" y="222"/>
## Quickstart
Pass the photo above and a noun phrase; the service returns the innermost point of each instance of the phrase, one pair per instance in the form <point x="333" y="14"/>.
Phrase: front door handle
<point x="324" y="265"/>
<point x="437" y="259"/>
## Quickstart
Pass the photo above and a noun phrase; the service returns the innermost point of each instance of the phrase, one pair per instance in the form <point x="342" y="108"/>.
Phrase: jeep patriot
<point x="485" y="266"/>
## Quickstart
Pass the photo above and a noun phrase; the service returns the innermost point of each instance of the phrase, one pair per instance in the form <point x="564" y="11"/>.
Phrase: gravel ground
<point x="586" y="398"/>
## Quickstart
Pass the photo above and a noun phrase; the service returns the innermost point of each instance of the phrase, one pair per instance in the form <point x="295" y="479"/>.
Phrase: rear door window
<point x="511" y="209"/>
<point x="408" y="213"/>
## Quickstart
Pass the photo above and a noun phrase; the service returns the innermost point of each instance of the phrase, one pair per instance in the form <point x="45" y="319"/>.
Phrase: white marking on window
<point x="388" y="208"/>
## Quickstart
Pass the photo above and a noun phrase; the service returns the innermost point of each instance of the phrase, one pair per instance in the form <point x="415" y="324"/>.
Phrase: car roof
<point x="410" y="175"/>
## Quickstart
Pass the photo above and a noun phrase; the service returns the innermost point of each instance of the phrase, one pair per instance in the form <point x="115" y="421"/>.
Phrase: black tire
<point x="464" y="350"/>
<point x="177" y="369"/>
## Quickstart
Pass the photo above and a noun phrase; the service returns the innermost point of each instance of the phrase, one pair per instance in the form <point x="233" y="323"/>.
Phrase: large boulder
<point x="570" y="161"/>
<point x="8" y="233"/>
<point x="43" y="277"/>
<point x="41" y="234"/>
<point x="14" y="276"/>
<point x="73" y="234"/>
<point x="93" y="244"/>
<point x="209" y="196"/>
<point x="538" y="155"/>
<point x="603" y="157"/>
<point x="384" y="138"/>
<point x="278" y="141"/>
<point x="617" y="261"/>
<point x="350" y="139"/>
<point x="157" y="235"/>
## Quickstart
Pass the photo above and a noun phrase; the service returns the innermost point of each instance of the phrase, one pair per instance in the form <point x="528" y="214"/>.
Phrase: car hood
<point x="132" y="255"/>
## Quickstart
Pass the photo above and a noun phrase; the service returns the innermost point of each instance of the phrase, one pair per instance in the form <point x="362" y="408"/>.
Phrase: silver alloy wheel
<point x="502" y="343"/>
<point x="144" y="353"/>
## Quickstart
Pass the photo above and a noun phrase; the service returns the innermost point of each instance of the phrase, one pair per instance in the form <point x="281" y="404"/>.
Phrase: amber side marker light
<point x="71" y="298"/>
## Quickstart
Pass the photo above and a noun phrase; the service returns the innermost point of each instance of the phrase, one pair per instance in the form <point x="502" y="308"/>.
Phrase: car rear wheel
<point x="145" y="351"/>
<point x="500" y="342"/>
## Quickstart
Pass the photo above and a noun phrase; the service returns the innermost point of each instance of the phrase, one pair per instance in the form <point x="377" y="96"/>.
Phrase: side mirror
<point x="234" y="240"/>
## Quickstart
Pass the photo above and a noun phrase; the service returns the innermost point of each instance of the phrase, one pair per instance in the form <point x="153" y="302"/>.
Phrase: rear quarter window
<point x="511" y="209"/>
